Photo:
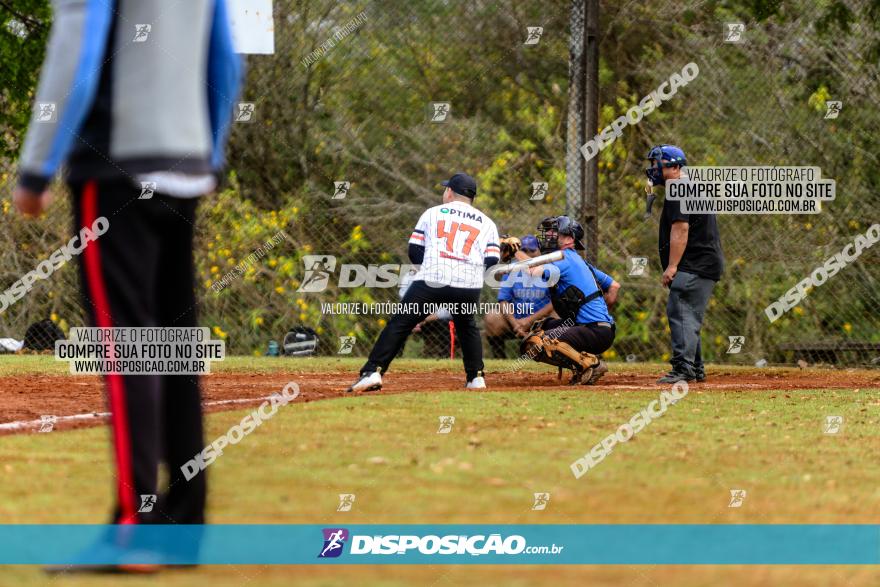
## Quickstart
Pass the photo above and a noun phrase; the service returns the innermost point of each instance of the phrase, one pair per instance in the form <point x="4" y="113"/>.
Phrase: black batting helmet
<point x="559" y="225"/>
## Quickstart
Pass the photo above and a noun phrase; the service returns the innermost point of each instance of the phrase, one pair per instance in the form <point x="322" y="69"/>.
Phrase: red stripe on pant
<point x="115" y="382"/>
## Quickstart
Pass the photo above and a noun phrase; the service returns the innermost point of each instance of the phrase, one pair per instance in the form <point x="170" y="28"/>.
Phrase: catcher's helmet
<point x="559" y="225"/>
<point x="663" y="156"/>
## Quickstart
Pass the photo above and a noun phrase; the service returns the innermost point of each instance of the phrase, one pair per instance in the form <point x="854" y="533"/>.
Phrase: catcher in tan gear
<point x="580" y="296"/>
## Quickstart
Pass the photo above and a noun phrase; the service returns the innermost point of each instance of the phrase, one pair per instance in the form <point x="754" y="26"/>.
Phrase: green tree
<point x="24" y="28"/>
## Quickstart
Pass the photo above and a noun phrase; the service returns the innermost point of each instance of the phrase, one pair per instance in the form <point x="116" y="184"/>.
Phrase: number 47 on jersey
<point x="448" y="230"/>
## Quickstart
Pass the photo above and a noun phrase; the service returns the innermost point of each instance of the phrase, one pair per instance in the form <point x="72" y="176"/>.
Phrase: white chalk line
<point x="27" y="424"/>
<point x="41" y="422"/>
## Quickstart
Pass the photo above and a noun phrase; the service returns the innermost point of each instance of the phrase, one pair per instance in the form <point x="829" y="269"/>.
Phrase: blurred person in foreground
<point x="139" y="114"/>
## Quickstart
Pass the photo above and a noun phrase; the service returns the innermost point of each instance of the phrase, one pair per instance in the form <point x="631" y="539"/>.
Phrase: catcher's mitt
<point x="509" y="246"/>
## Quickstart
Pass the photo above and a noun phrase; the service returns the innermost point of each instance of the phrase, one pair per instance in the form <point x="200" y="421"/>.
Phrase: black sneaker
<point x="675" y="376"/>
<point x="598" y="371"/>
<point x="701" y="377"/>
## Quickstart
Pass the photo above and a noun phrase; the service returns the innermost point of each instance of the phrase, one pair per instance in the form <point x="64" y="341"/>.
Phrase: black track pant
<point x="140" y="273"/>
<point x="419" y="297"/>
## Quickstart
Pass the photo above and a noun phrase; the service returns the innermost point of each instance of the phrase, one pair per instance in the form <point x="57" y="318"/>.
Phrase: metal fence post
<point x="582" y="176"/>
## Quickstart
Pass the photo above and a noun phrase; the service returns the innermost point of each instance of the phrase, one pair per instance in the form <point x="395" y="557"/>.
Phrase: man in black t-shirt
<point x="690" y="253"/>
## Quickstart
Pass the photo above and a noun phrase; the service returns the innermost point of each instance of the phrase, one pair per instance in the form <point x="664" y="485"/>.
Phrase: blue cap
<point x="530" y="243"/>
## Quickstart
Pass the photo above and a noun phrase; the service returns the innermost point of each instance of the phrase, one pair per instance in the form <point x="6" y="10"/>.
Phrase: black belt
<point x="602" y="324"/>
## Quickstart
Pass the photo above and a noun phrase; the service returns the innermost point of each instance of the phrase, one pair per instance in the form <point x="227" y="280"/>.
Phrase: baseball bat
<point x="533" y="262"/>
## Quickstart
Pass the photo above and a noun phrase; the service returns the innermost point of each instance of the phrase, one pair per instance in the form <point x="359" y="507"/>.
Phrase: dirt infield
<point x="27" y="398"/>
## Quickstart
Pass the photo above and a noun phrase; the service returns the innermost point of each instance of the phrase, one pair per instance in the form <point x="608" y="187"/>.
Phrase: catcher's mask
<point x="663" y="156"/>
<point x="551" y="227"/>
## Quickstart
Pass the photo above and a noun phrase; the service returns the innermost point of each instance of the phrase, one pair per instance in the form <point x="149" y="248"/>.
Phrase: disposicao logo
<point x="334" y="541"/>
<point x="411" y="544"/>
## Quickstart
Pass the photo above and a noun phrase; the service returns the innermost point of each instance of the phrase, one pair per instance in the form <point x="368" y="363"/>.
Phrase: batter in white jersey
<point x="454" y="243"/>
<point x="457" y="238"/>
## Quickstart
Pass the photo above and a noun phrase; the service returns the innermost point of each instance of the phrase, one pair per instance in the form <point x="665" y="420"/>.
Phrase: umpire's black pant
<point x="419" y="297"/>
<point x="140" y="273"/>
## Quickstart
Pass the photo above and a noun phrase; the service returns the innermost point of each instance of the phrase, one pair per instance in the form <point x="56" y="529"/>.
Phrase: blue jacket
<point x="117" y="98"/>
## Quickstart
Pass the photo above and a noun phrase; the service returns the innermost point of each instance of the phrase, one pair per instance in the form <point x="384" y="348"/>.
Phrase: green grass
<point x="45" y="364"/>
<point x="503" y="448"/>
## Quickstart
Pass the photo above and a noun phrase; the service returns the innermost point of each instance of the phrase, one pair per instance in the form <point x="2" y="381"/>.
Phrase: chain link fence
<point x="344" y="134"/>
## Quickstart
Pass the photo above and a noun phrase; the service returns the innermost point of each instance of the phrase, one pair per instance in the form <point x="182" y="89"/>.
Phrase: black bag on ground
<point x="301" y="341"/>
<point x="41" y="336"/>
